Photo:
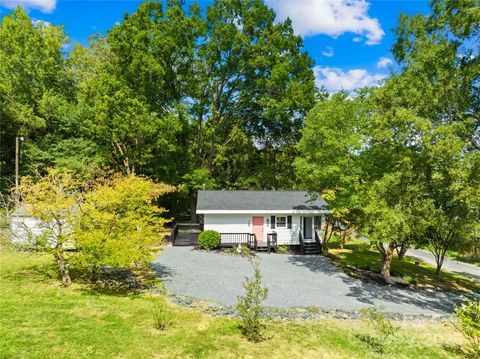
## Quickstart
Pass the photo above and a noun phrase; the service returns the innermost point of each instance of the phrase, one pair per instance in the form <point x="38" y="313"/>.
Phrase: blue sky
<point x="349" y="40"/>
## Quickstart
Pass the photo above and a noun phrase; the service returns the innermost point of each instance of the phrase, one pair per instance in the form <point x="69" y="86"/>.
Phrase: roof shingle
<point x="259" y="200"/>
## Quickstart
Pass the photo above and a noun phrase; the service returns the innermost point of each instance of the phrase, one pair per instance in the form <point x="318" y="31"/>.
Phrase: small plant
<point x="243" y="250"/>
<point x="282" y="249"/>
<point x="250" y="306"/>
<point x="384" y="329"/>
<point x="209" y="240"/>
<point x="467" y="322"/>
<point x="161" y="315"/>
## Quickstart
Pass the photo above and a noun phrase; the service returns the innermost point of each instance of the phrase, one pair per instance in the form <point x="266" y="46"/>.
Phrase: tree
<point x="250" y="75"/>
<point x="108" y="222"/>
<point x="34" y="82"/>
<point x="119" y="222"/>
<point x="329" y="160"/>
<point x="116" y="117"/>
<point x="53" y="200"/>
<point x="250" y="306"/>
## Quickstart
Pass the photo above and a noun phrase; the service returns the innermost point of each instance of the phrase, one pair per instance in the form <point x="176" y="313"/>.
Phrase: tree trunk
<point x="325" y="239"/>
<point x="439" y="258"/>
<point x="342" y="238"/>
<point x="62" y="265"/>
<point x="387" y="256"/>
<point x="401" y="250"/>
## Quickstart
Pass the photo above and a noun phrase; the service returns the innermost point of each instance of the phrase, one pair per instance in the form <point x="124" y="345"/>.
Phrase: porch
<point x="186" y="234"/>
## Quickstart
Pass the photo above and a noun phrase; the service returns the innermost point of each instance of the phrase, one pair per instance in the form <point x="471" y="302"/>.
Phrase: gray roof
<point x="260" y="200"/>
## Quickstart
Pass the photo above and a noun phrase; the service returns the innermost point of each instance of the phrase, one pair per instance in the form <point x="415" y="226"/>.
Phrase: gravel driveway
<point x="293" y="280"/>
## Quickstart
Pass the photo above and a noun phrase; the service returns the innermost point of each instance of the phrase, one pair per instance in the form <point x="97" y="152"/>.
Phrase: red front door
<point x="257" y="223"/>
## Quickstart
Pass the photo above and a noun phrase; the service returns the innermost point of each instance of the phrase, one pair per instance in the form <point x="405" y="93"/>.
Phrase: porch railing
<point x="234" y="239"/>
<point x="272" y="241"/>
<point x="317" y="239"/>
<point x="300" y="239"/>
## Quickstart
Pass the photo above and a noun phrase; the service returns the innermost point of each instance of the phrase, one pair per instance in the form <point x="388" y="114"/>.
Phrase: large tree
<point x="330" y="162"/>
<point x="425" y="121"/>
<point x="35" y="88"/>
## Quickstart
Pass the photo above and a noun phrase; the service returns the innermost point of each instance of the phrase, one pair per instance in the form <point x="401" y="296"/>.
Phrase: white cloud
<point x="328" y="52"/>
<point x="40" y="23"/>
<point x="330" y="17"/>
<point x="335" y="79"/>
<point x="384" y="62"/>
<point x="42" y="5"/>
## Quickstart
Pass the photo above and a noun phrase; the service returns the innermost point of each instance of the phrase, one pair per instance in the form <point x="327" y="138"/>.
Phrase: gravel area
<point x="293" y="281"/>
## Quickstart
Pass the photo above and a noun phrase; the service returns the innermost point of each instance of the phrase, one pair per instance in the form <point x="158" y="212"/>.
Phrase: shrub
<point x="209" y="240"/>
<point x="282" y="249"/>
<point x="467" y="322"/>
<point x="250" y="307"/>
<point x="383" y="327"/>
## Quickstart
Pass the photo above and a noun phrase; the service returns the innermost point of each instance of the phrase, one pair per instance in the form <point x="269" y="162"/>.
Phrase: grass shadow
<point x="459" y="351"/>
<point x="372" y="342"/>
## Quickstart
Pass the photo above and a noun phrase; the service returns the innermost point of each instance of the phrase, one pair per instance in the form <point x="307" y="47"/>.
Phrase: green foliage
<point x="160" y="310"/>
<point x="467" y="321"/>
<point x="209" y="240"/>
<point x="161" y="315"/>
<point x="250" y="306"/>
<point x="120" y="223"/>
<point x="243" y="251"/>
<point x="401" y="159"/>
<point x="385" y="330"/>
<point x="53" y="200"/>
<point x="282" y="249"/>
<point x="330" y="158"/>
<point x="35" y="88"/>
<point x="113" y="222"/>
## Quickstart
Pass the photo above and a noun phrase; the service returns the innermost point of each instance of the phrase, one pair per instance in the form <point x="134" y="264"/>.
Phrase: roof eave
<point x="264" y="211"/>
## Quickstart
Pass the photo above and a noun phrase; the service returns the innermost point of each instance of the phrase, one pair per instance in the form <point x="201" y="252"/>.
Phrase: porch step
<point x="310" y="248"/>
<point x="186" y="239"/>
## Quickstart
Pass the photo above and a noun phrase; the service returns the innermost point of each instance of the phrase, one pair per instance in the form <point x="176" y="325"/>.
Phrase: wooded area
<point x="224" y="97"/>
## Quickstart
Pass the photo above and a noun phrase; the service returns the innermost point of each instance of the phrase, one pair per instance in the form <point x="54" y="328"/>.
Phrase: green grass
<point x="359" y="254"/>
<point x="464" y="258"/>
<point x="41" y="319"/>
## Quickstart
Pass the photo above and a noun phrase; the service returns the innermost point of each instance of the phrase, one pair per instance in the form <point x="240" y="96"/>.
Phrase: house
<point x="265" y="219"/>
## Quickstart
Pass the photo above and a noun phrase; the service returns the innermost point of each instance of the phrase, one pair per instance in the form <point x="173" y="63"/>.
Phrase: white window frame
<point x="279" y="225"/>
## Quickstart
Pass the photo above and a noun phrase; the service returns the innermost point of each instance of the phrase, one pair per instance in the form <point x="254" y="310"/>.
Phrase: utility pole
<point x="17" y="160"/>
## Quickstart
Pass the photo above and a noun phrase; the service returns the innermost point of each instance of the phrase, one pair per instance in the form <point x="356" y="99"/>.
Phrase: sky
<point x="350" y="41"/>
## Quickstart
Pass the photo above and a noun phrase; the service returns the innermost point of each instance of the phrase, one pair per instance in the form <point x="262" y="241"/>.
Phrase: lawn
<point x="41" y="319"/>
<point x="463" y="258"/>
<point x="359" y="254"/>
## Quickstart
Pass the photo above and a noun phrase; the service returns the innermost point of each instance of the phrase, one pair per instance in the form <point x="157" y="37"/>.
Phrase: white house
<point x="290" y="218"/>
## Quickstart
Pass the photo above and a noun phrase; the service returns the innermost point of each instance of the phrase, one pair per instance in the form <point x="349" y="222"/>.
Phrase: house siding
<point x="242" y="223"/>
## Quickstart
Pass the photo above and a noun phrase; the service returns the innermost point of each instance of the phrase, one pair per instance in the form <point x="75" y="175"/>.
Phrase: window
<point x="281" y="222"/>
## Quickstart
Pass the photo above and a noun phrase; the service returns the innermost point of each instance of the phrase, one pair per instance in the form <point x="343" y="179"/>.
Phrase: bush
<point x="250" y="307"/>
<point x="467" y="322"/>
<point x="383" y="327"/>
<point x="282" y="249"/>
<point x="209" y="240"/>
